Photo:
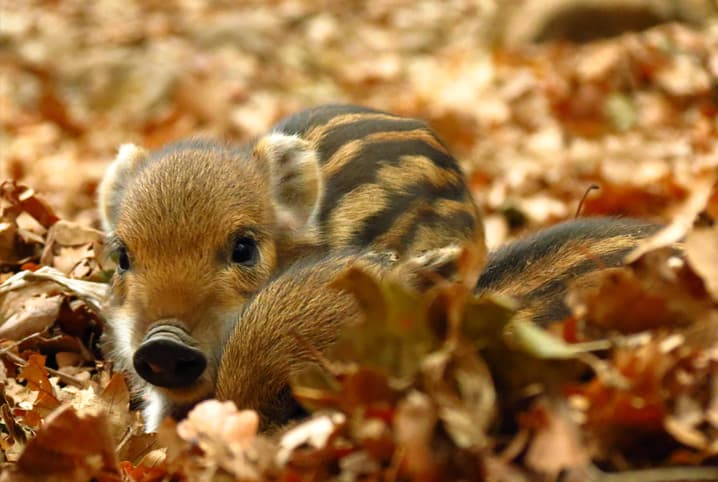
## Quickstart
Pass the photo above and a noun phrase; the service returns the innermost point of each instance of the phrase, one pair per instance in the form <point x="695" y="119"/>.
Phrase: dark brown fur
<point x="328" y="178"/>
<point x="262" y="352"/>
<point x="536" y="270"/>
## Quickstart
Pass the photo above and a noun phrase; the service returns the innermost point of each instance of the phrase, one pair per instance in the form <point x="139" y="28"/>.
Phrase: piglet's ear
<point x="295" y="178"/>
<point x="115" y="181"/>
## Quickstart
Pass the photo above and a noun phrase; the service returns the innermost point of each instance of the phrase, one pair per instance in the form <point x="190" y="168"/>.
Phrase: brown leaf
<point x="115" y="402"/>
<point x="394" y="334"/>
<point x="70" y="248"/>
<point x="34" y="316"/>
<point x="67" y="233"/>
<point x="220" y="422"/>
<point x="24" y="198"/>
<point x="701" y="248"/>
<point x="556" y="445"/>
<point x="682" y="221"/>
<point x="142" y="472"/>
<point x="657" y="291"/>
<point x="315" y="432"/>
<point x="8" y="240"/>
<point x="70" y="447"/>
<point x="225" y="435"/>
<point x="460" y="385"/>
<point x="414" y="426"/>
<point x="141" y="449"/>
<point x="638" y="404"/>
<point x="36" y="375"/>
<point x="683" y="426"/>
<point x="93" y="294"/>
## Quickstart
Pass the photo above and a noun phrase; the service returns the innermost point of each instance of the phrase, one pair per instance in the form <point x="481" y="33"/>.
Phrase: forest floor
<point x="534" y="125"/>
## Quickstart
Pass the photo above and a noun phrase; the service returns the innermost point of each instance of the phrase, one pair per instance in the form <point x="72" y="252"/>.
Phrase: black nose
<point x="168" y="363"/>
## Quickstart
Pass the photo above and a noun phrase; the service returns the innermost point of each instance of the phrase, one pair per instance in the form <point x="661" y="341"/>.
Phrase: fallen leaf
<point x="220" y="421"/>
<point x="414" y="426"/>
<point x="34" y="316"/>
<point x="658" y="290"/>
<point x="92" y="293"/>
<point x="115" y="403"/>
<point x="25" y="199"/>
<point x="701" y="248"/>
<point x="315" y="432"/>
<point x="70" y="447"/>
<point x="556" y="444"/>
<point x="35" y="374"/>
<point x="682" y="221"/>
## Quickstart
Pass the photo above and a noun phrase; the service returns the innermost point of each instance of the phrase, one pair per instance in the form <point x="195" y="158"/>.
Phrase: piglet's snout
<point x="166" y="358"/>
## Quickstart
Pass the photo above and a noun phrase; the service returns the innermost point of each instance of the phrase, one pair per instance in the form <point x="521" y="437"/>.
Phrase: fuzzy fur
<point x="323" y="180"/>
<point x="262" y="353"/>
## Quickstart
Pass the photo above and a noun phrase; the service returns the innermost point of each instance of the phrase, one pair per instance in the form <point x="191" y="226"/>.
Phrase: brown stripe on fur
<point x="317" y="132"/>
<point x="547" y="305"/>
<point x="347" y="152"/>
<point x="415" y="169"/>
<point x="349" y="215"/>
<point x="449" y="207"/>
<point x="561" y="263"/>
<point x="392" y="239"/>
<point x="426" y="235"/>
<point x="341" y="158"/>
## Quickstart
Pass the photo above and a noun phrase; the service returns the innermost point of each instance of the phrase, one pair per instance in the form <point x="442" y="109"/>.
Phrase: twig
<point x="123" y="441"/>
<point x="20" y="342"/>
<point x="69" y="379"/>
<point x="583" y="198"/>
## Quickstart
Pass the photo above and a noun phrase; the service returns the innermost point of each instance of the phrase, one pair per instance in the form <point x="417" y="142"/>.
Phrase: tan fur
<point x="427" y="237"/>
<point x="262" y="353"/>
<point x="159" y="223"/>
<point x="560" y="264"/>
<point x="263" y="350"/>
<point x="338" y="160"/>
<point x="413" y="169"/>
<point x="177" y="213"/>
<point x="366" y="201"/>
<point x="403" y="223"/>
<point x="355" y="207"/>
<point x="317" y="133"/>
<point x="296" y="313"/>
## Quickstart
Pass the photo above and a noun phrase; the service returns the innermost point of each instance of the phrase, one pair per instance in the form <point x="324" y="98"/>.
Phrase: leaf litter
<point x="440" y="385"/>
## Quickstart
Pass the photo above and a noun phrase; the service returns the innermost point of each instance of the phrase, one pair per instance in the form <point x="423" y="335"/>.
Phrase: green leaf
<point x="539" y="343"/>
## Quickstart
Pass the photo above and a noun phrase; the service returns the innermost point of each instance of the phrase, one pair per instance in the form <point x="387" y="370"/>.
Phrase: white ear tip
<point x="280" y="143"/>
<point x="128" y="151"/>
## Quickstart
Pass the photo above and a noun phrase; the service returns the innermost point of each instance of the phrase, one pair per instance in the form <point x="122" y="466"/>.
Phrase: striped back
<point x="389" y="181"/>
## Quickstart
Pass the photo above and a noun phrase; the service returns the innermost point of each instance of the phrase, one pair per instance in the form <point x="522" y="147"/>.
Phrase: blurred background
<point x="538" y="98"/>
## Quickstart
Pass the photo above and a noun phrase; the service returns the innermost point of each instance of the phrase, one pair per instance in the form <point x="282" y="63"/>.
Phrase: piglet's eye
<point x="123" y="259"/>
<point x="245" y="251"/>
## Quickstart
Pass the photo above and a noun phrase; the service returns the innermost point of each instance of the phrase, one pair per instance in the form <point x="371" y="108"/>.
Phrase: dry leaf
<point x="221" y="422"/>
<point x="70" y="447"/>
<point x="701" y="248"/>
<point x="701" y="190"/>
<point x="414" y="426"/>
<point x="35" y="374"/>
<point x="34" y="316"/>
<point x="314" y="432"/>
<point x="556" y="444"/>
